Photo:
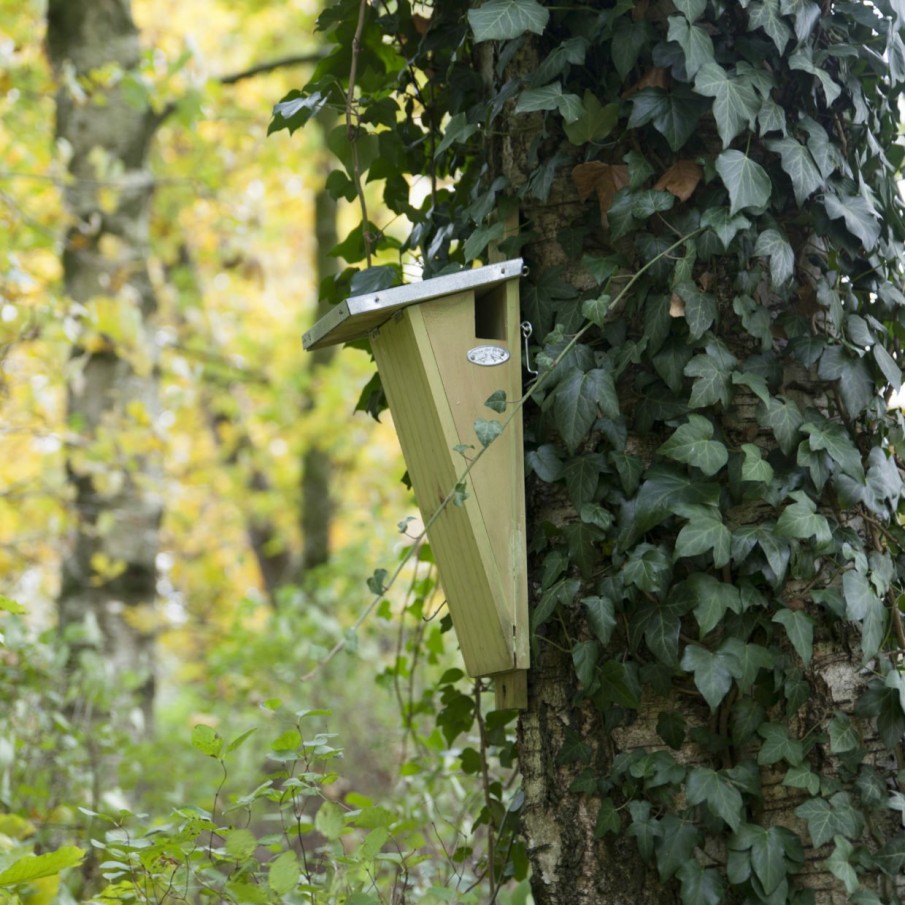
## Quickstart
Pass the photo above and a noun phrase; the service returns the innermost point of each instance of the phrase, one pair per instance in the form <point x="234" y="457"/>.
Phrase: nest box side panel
<point x="456" y="325"/>
<point x="458" y="537"/>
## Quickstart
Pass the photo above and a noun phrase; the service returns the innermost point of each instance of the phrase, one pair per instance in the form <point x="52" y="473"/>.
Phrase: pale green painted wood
<point x="435" y="395"/>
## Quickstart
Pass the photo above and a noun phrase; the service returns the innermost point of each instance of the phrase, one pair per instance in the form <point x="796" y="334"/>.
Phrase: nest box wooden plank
<point x="442" y="348"/>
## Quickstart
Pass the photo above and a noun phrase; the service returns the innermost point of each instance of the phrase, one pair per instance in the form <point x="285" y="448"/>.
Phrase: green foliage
<point x="711" y="412"/>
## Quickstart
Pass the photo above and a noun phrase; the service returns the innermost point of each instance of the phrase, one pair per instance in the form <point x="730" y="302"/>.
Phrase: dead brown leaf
<point x="681" y="179"/>
<point x="655" y="77"/>
<point x="604" y="179"/>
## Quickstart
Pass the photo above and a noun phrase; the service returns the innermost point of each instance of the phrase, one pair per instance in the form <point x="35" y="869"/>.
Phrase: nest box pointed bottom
<point x="442" y="348"/>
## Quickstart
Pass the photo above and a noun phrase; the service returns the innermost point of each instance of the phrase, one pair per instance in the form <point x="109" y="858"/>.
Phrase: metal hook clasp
<point x="527" y="330"/>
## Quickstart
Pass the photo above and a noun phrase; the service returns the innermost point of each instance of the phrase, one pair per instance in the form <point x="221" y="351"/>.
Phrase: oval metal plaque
<point x="487" y="356"/>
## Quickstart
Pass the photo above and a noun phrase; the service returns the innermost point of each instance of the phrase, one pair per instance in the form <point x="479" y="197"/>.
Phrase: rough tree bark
<point x="109" y="574"/>
<point x="572" y="864"/>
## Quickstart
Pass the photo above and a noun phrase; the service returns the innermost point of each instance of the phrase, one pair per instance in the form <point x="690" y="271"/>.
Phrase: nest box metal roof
<point x="356" y="317"/>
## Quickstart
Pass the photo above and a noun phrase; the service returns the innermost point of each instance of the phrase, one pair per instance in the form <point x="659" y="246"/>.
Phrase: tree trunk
<point x="614" y="809"/>
<point x="317" y="501"/>
<point x="109" y="574"/>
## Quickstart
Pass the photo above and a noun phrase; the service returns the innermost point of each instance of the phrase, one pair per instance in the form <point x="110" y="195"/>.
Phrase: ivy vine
<point x="720" y="436"/>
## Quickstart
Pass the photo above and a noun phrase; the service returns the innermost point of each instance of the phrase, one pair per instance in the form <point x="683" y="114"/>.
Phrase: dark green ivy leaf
<point x="578" y="398"/>
<point x="676" y="845"/>
<point x="800" y="630"/>
<point x="503" y="20"/>
<point x="712" y="673"/>
<point x="746" y="181"/>
<point x="720" y="794"/>
<point x="496" y="401"/>
<point x="601" y="617"/>
<point x="692" y="443"/>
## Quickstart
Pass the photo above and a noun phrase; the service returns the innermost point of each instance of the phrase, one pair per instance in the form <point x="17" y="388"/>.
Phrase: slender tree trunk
<point x="317" y="501"/>
<point x="109" y="573"/>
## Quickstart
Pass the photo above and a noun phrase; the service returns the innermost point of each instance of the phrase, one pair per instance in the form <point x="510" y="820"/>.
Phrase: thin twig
<point x="299" y="59"/>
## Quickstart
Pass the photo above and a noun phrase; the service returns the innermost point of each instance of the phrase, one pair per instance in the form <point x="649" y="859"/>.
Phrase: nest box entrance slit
<point x="442" y="348"/>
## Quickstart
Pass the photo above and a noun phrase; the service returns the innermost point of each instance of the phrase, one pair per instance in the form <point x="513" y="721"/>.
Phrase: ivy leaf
<point x="674" y="114"/>
<point x="700" y="309"/>
<point x="480" y="238"/>
<point x="803" y="60"/>
<point x="778" y="746"/>
<point x="887" y="365"/>
<point x="835" y="439"/>
<point x="806" y="14"/>
<point x="595" y="310"/>
<point x="784" y="418"/>
<point x="691" y="9"/>
<point x="700" y="885"/>
<point x="861" y="220"/>
<point x="691" y="443"/>
<point x="891" y="858"/>
<point x="722" y="797"/>
<point x="749" y="659"/>
<point x="550" y="97"/>
<point x="694" y="41"/>
<point x="661" y="633"/>
<point x="648" y="568"/>
<point x="584" y="658"/>
<point x="578" y="398"/>
<point x="676" y="846"/>
<point x="712" y="384"/>
<point x="496" y="401"/>
<point x="747" y="182"/>
<point x="773" y="245"/>
<point x="863" y="605"/>
<point x="644" y="828"/>
<point x="545" y="463"/>
<point x="766" y="15"/>
<point x="735" y="104"/>
<point x="601" y="617"/>
<point x="608" y="820"/>
<point x="487" y="430"/>
<point x="458" y="131"/>
<point x="724" y="224"/>
<point x="595" y="122"/>
<point x="705" y="533"/>
<point x="800" y="630"/>
<point x="800" y="167"/>
<point x="712" y="673"/>
<point x="755" y="468"/>
<point x="712" y="599"/>
<point x="502" y="20"/>
<point x="802" y="777"/>
<point x="582" y="474"/>
<point x="839" y="864"/>
<point x="801" y="520"/>
<point x="663" y="490"/>
<point x="767" y="858"/>
<point x="843" y="735"/>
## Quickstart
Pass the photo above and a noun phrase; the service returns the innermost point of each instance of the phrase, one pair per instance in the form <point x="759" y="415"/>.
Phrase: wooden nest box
<point x="442" y="348"/>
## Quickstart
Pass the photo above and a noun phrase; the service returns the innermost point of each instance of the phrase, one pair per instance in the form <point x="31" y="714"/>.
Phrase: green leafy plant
<point x="709" y="207"/>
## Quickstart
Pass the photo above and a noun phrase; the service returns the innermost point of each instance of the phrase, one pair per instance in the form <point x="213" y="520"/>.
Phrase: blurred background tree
<point x="189" y="511"/>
